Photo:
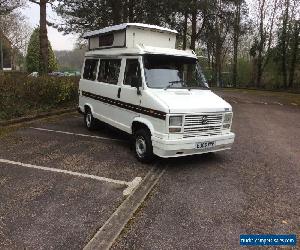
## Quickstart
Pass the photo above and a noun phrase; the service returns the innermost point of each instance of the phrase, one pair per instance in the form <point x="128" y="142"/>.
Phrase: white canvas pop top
<point x="134" y="79"/>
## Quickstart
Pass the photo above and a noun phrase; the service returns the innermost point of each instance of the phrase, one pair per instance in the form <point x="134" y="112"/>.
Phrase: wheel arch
<point x="139" y="123"/>
<point x="87" y="106"/>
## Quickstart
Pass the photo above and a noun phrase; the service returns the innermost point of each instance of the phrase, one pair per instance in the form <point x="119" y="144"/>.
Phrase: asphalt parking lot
<point x="62" y="186"/>
<point x="61" y="183"/>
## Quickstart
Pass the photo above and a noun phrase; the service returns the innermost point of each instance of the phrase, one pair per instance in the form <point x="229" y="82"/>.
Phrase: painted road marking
<point x="234" y="101"/>
<point x="112" y="228"/>
<point x="265" y="103"/>
<point x="295" y="104"/>
<point x="76" y="134"/>
<point x="278" y="103"/>
<point x="130" y="185"/>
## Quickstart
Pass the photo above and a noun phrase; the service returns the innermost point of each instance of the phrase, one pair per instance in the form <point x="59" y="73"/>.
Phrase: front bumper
<point x="176" y="148"/>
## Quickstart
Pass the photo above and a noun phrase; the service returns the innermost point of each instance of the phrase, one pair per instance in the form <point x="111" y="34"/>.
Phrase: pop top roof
<point x="124" y="26"/>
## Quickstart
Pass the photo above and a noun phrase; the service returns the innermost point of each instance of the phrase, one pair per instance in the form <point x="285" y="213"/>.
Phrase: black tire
<point x="143" y="146"/>
<point x="89" y="121"/>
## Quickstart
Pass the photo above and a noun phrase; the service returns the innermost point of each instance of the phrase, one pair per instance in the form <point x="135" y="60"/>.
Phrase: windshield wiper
<point x="171" y="83"/>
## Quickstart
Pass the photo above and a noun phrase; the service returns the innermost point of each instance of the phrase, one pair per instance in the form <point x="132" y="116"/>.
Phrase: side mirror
<point x="136" y="83"/>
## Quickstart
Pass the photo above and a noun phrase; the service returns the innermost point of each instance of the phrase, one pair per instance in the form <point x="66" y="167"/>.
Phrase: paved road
<point x="50" y="197"/>
<point x="206" y="202"/>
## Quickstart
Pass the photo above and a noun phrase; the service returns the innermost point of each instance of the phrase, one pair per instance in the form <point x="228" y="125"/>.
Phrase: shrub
<point x="33" y="54"/>
<point x="24" y="95"/>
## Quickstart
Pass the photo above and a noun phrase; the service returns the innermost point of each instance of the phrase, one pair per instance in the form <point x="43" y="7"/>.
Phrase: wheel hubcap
<point x="88" y="119"/>
<point x="140" y="146"/>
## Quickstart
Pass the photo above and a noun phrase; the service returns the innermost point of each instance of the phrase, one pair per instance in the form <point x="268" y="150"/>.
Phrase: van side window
<point x="109" y="70"/>
<point x="90" y="69"/>
<point x="132" y="70"/>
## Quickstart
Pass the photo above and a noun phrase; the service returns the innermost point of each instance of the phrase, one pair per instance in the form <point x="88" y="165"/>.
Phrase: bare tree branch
<point x="34" y="1"/>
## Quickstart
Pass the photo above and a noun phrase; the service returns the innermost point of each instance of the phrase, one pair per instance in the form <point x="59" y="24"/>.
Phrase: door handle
<point x="119" y="93"/>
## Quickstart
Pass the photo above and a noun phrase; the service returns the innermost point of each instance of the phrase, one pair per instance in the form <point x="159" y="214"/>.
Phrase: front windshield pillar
<point x="141" y="61"/>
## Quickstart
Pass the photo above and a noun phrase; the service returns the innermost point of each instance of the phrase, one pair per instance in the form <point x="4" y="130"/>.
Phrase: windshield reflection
<point x="165" y="72"/>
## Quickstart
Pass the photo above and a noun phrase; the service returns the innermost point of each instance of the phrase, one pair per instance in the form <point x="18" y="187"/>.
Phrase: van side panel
<point x="122" y="111"/>
<point x="100" y="97"/>
<point x="137" y="36"/>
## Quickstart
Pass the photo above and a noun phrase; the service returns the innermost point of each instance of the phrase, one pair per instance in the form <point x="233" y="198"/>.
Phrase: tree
<point x="236" y="35"/>
<point x="70" y="60"/>
<point x="80" y="16"/>
<point x="216" y="34"/>
<point x="43" y="69"/>
<point x="260" y="51"/>
<point x="16" y="29"/>
<point x="7" y="6"/>
<point x="33" y="62"/>
<point x="284" y="41"/>
<point x="295" y="42"/>
<point x="288" y="42"/>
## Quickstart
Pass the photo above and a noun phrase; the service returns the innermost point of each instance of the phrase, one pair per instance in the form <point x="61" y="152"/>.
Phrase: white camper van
<point x="134" y="79"/>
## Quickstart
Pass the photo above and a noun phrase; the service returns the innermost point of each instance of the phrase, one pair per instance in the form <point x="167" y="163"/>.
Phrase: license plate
<point x="206" y="144"/>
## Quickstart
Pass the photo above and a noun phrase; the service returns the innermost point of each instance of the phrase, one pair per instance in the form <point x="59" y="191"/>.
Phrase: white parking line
<point x="260" y="102"/>
<point x="130" y="185"/>
<point x="76" y="134"/>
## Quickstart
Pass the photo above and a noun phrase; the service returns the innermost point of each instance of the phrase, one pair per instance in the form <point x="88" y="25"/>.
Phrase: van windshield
<point x="165" y="72"/>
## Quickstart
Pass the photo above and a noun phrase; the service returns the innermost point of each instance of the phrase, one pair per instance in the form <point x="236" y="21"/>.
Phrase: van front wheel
<point x="89" y="120"/>
<point x="143" y="146"/>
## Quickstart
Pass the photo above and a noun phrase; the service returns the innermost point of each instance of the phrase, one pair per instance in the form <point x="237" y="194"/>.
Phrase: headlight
<point x="175" y="121"/>
<point x="227" y="118"/>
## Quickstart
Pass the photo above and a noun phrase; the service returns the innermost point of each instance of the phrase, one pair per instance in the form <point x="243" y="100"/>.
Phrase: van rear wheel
<point x="89" y="120"/>
<point x="143" y="146"/>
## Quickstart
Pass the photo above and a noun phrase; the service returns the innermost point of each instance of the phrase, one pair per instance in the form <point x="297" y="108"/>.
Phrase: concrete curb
<point x="35" y="117"/>
<point x="112" y="228"/>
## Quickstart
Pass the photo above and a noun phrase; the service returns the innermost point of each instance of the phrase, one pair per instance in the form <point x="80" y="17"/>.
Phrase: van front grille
<point x="202" y="125"/>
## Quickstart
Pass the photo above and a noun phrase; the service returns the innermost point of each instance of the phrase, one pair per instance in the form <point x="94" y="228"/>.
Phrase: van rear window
<point x="90" y="69"/>
<point x="109" y="70"/>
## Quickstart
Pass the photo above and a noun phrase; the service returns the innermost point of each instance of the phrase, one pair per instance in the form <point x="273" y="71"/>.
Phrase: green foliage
<point x="23" y="95"/>
<point x="53" y="64"/>
<point x="79" y="16"/>
<point x="223" y="29"/>
<point x="33" y="54"/>
<point x="286" y="52"/>
<point x="244" y="72"/>
<point x="7" y="7"/>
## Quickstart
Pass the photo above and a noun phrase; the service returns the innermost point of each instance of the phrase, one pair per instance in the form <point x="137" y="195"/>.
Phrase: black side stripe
<point x="139" y="109"/>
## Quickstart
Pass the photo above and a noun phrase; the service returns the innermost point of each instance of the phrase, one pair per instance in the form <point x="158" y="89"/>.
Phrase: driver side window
<point x="132" y="70"/>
